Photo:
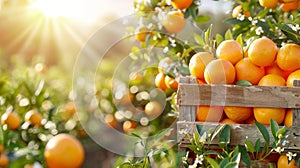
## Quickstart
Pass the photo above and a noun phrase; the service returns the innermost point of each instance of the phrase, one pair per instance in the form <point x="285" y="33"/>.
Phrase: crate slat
<point x="239" y="133"/>
<point x="233" y="95"/>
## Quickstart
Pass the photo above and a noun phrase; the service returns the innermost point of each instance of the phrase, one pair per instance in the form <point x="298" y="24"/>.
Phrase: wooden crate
<point x="191" y="94"/>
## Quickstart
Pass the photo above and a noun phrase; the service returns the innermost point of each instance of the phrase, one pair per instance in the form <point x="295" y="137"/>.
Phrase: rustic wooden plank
<point x="233" y="95"/>
<point x="187" y="113"/>
<point x="239" y="133"/>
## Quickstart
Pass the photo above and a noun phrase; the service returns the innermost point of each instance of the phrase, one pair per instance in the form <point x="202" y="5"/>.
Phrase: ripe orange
<point x="33" y="117"/>
<point x="228" y="121"/>
<point x="289" y="6"/>
<point x="111" y="121"/>
<point x="274" y="69"/>
<point x="198" y="63"/>
<point x="209" y="113"/>
<point x="174" y="21"/>
<point x="160" y="81"/>
<point x="288" y="57"/>
<point x="11" y="119"/>
<point x="153" y="109"/>
<point x="246" y="70"/>
<point x="293" y="76"/>
<point x="64" y="150"/>
<point x="141" y="33"/>
<point x="272" y="80"/>
<point x="239" y="10"/>
<point x="219" y="71"/>
<point x="288" y="120"/>
<point x="283" y="162"/>
<point x="268" y="3"/>
<point x="230" y="50"/>
<point x="135" y="78"/>
<point x="171" y="82"/>
<point x="238" y="114"/>
<point x="2" y="148"/>
<point x="129" y="126"/>
<point x="264" y="115"/>
<point x="181" y="4"/>
<point x="250" y="120"/>
<point x="262" y="51"/>
<point x="3" y="160"/>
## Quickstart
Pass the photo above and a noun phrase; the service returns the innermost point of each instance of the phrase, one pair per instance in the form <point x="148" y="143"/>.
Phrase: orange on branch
<point x="153" y="109"/>
<point x="160" y="81"/>
<point x="219" y="71"/>
<point x="181" y="4"/>
<point x="33" y="117"/>
<point x="239" y="10"/>
<point x="4" y="160"/>
<point x="64" y="150"/>
<point x="230" y="50"/>
<point x="174" y="21"/>
<point x="262" y="51"/>
<point x="11" y="119"/>
<point x="171" y="82"/>
<point x="198" y="63"/>
<point x="268" y="3"/>
<point x="290" y="6"/>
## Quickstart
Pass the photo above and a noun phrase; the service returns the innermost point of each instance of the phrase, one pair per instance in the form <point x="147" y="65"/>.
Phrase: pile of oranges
<point x="285" y="5"/>
<point x="262" y="63"/>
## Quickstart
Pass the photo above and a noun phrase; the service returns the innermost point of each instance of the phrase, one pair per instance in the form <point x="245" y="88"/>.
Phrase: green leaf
<point x="202" y="19"/>
<point x="217" y="131"/>
<point x="228" y="35"/>
<point x="224" y="162"/>
<point x="249" y="146"/>
<point x="199" y="39"/>
<point x="297" y="160"/>
<point x="212" y="162"/>
<point x="1" y="135"/>
<point x="257" y="145"/>
<point x="136" y="135"/>
<point x="200" y="129"/>
<point x="231" y="165"/>
<point x="225" y="135"/>
<point x="290" y="33"/>
<point x="274" y="128"/>
<point x="281" y="131"/>
<point x="262" y="129"/>
<point x="219" y="39"/>
<point x="207" y="37"/>
<point x="239" y="39"/>
<point x="244" y="155"/>
<point x="243" y="83"/>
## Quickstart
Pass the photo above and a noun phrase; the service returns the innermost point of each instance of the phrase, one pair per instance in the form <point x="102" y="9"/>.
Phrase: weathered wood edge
<point x="239" y="133"/>
<point x="232" y="95"/>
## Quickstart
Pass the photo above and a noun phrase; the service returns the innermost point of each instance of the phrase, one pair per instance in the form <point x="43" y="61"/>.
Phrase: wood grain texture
<point x="239" y="133"/>
<point x="233" y="95"/>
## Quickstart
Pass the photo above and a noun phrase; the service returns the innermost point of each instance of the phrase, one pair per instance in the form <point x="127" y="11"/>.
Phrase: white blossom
<point x="259" y="30"/>
<point x="290" y="155"/>
<point x="279" y="149"/>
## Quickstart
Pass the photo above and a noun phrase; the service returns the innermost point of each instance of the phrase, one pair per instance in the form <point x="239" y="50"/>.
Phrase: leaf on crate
<point x="262" y="129"/>
<point x="243" y="83"/>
